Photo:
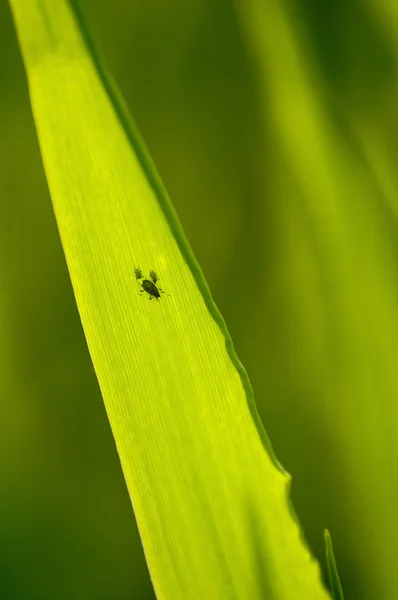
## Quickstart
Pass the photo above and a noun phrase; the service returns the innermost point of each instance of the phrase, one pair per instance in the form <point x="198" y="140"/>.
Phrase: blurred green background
<point x="186" y="70"/>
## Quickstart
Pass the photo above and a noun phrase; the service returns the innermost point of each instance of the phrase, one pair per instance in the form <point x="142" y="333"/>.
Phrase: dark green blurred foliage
<point x="66" y="525"/>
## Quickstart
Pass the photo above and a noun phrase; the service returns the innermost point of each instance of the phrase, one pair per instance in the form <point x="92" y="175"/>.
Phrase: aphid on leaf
<point x="149" y="285"/>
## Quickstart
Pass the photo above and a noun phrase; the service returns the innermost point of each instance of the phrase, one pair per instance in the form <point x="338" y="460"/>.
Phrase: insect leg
<point x="163" y="292"/>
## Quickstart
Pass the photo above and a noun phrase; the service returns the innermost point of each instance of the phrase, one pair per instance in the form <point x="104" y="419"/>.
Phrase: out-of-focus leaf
<point x="335" y="199"/>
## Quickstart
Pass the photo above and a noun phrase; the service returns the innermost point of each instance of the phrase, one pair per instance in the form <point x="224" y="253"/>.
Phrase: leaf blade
<point x="179" y="402"/>
<point x="335" y="583"/>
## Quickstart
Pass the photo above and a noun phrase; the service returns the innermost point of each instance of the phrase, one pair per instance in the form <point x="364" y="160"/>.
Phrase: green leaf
<point x="333" y="573"/>
<point x="210" y="499"/>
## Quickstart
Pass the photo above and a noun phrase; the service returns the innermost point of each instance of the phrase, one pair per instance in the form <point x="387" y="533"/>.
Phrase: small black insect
<point x="149" y="285"/>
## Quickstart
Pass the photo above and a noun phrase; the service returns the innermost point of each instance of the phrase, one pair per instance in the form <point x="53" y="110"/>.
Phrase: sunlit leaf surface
<point x="210" y="500"/>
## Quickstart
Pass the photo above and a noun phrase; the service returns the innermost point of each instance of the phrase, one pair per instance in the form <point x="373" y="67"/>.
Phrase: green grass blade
<point x="210" y="500"/>
<point x="333" y="573"/>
